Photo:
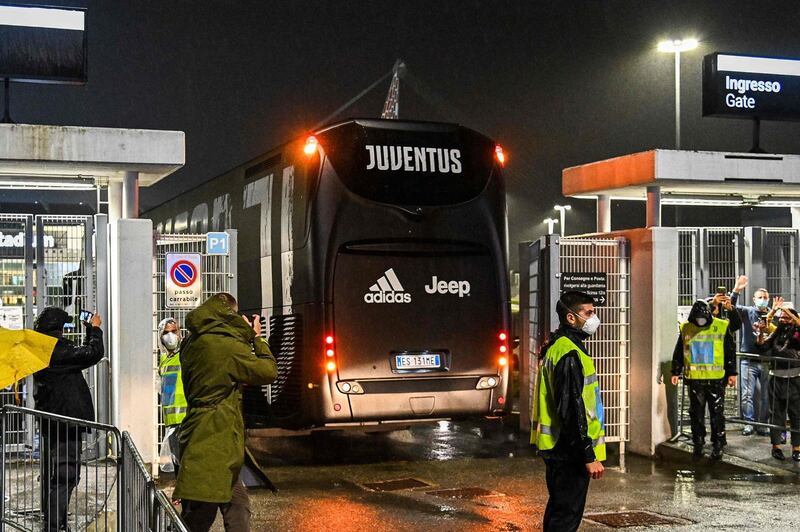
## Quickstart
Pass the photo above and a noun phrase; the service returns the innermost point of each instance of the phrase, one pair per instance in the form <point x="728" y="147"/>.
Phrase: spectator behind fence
<point x="722" y="308"/>
<point x="753" y="373"/>
<point x="784" y="381"/>
<point x="222" y="351"/>
<point x="705" y="355"/>
<point x="173" y="401"/>
<point x="61" y="389"/>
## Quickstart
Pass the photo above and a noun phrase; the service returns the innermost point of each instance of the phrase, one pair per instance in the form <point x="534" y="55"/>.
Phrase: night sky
<point x="556" y="83"/>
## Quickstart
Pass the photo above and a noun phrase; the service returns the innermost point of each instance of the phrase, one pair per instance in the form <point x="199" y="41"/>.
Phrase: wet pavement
<point x="479" y="475"/>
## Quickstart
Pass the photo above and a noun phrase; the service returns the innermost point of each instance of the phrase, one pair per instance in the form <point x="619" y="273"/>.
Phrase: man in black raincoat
<point x="61" y="389"/>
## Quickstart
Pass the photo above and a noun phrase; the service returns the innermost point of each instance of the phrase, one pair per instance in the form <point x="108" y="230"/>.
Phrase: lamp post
<point x="551" y="222"/>
<point x="562" y="209"/>
<point x="677" y="46"/>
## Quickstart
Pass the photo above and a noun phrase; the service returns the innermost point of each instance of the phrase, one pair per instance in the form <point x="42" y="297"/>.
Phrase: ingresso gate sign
<point x="742" y="86"/>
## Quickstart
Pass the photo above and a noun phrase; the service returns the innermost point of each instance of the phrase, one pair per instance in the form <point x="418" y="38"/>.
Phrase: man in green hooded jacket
<point x="222" y="351"/>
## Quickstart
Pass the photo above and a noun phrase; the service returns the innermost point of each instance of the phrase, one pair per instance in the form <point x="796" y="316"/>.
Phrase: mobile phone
<point x="85" y="316"/>
<point x="722" y="290"/>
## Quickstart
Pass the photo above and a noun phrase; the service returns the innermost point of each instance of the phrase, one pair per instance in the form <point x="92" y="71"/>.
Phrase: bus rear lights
<point x="502" y="336"/>
<point x="329" y="340"/>
<point x="349" y="387"/>
<point x="331" y="365"/>
<point x="311" y="145"/>
<point x="503" y="361"/>
<point x="484" y="383"/>
<point x="329" y="352"/>
<point x="501" y="400"/>
<point x="503" y="349"/>
<point x="499" y="154"/>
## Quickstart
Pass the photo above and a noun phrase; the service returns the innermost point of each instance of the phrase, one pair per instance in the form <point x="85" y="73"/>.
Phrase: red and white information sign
<point x="184" y="280"/>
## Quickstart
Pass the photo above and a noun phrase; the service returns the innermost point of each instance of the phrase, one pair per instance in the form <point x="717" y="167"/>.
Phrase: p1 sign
<point x="217" y="244"/>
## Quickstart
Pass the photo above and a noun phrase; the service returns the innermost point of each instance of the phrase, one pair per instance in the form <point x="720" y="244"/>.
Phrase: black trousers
<point x="199" y="515"/>
<point x="61" y="453"/>
<point x="711" y="393"/>
<point x="567" y="484"/>
<point x="784" y="395"/>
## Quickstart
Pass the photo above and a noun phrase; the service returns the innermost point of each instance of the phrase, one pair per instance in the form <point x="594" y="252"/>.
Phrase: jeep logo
<point x="448" y="287"/>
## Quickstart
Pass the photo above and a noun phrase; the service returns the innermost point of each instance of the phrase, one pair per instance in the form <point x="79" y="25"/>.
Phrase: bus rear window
<point x="422" y="165"/>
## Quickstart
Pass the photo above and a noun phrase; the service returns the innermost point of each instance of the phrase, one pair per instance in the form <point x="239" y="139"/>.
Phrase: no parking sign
<point x="184" y="280"/>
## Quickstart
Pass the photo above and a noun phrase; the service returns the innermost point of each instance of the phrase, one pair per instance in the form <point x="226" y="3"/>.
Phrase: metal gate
<point x="543" y="263"/>
<point x="48" y="261"/>
<point x="219" y="275"/>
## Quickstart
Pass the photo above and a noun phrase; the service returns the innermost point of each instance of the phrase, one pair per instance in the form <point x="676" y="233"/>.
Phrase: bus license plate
<point x="417" y="361"/>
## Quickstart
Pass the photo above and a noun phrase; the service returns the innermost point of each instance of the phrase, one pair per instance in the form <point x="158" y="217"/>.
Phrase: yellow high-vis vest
<point x="173" y="401"/>
<point x="544" y="411"/>
<point x="704" y="350"/>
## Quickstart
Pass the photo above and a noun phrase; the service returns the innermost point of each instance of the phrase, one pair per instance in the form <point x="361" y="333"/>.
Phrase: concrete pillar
<point x="654" y="331"/>
<point x="603" y="213"/>
<point x="114" y="201"/>
<point x="133" y="365"/>
<point x="653" y="207"/>
<point x="130" y="195"/>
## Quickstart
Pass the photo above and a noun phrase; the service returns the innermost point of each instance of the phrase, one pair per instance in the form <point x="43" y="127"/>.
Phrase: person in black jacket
<point x="569" y="414"/>
<point x="62" y="389"/>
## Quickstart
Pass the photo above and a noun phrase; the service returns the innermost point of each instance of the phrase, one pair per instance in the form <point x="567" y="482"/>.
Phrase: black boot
<point x="716" y="451"/>
<point x="777" y="453"/>
<point x="697" y="450"/>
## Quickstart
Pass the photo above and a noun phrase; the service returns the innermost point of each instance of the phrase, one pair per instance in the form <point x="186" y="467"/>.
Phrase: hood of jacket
<point x="163" y="325"/>
<point x="215" y="316"/>
<point x="701" y="309"/>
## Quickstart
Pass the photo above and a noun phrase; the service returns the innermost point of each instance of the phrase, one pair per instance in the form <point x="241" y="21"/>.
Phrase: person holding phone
<point x="705" y="355"/>
<point x="61" y="389"/>
<point x="222" y="351"/>
<point x="757" y="321"/>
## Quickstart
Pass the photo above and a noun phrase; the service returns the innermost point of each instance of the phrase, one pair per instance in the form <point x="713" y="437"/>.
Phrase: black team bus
<point x="377" y="249"/>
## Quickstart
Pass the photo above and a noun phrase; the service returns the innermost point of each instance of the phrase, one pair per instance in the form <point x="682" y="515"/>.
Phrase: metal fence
<point x="65" y="478"/>
<point x="780" y="261"/>
<point x="219" y="275"/>
<point x="542" y="264"/>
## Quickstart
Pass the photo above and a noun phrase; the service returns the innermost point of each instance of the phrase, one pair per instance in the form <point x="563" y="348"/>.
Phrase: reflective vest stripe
<point x="170" y="369"/>
<point x="545" y="429"/>
<point x="174" y="410"/>
<point x="590" y="379"/>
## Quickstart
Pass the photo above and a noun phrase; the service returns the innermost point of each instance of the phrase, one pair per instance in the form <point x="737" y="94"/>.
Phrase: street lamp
<point x="562" y="209"/>
<point x="551" y="222"/>
<point x="677" y="46"/>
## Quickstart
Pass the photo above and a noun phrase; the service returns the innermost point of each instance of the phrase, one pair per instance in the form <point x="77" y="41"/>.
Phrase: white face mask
<point x="170" y="341"/>
<point x="761" y="303"/>
<point x="590" y="326"/>
<point x="700" y="322"/>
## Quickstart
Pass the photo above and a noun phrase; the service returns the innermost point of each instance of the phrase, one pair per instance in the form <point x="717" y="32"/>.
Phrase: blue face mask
<point x="761" y="303"/>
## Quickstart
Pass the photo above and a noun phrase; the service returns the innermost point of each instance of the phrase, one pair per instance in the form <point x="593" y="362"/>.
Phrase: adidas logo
<point x="388" y="289"/>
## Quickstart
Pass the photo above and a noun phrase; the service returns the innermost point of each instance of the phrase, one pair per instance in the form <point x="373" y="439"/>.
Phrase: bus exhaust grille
<point x="285" y="340"/>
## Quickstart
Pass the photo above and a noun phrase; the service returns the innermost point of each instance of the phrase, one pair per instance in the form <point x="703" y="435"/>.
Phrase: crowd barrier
<point x="64" y="472"/>
<point x="733" y="409"/>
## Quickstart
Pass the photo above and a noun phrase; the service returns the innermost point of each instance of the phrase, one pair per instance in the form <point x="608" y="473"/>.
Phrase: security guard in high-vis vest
<point x="173" y="401"/>
<point x="568" y="421"/>
<point x="705" y="355"/>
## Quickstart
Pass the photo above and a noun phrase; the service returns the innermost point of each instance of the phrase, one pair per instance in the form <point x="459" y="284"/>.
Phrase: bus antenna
<point x="391" y="108"/>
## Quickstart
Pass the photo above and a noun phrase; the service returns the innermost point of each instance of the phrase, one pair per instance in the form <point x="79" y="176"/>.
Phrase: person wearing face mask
<point x="173" y="401"/>
<point x="568" y="414"/>
<point x="61" y="389"/>
<point x="705" y="355"/>
<point x="753" y="372"/>
<point x="784" y="380"/>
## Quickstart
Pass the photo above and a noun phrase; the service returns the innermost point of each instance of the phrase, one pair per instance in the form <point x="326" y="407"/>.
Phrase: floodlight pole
<point x="677" y="100"/>
<point x="7" y="102"/>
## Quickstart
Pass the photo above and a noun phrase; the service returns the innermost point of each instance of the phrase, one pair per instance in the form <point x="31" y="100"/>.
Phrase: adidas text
<point x="461" y="288"/>
<point x="387" y="297"/>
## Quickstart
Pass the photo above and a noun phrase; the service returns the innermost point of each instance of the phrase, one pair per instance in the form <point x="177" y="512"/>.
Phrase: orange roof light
<point x="499" y="154"/>
<point x="311" y="145"/>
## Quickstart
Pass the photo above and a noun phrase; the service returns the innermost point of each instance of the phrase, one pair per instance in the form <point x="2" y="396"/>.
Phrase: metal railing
<point x="733" y="411"/>
<point x="76" y="474"/>
<point x="59" y="476"/>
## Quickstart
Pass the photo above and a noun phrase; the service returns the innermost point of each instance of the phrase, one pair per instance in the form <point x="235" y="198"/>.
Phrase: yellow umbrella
<point x="23" y="353"/>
